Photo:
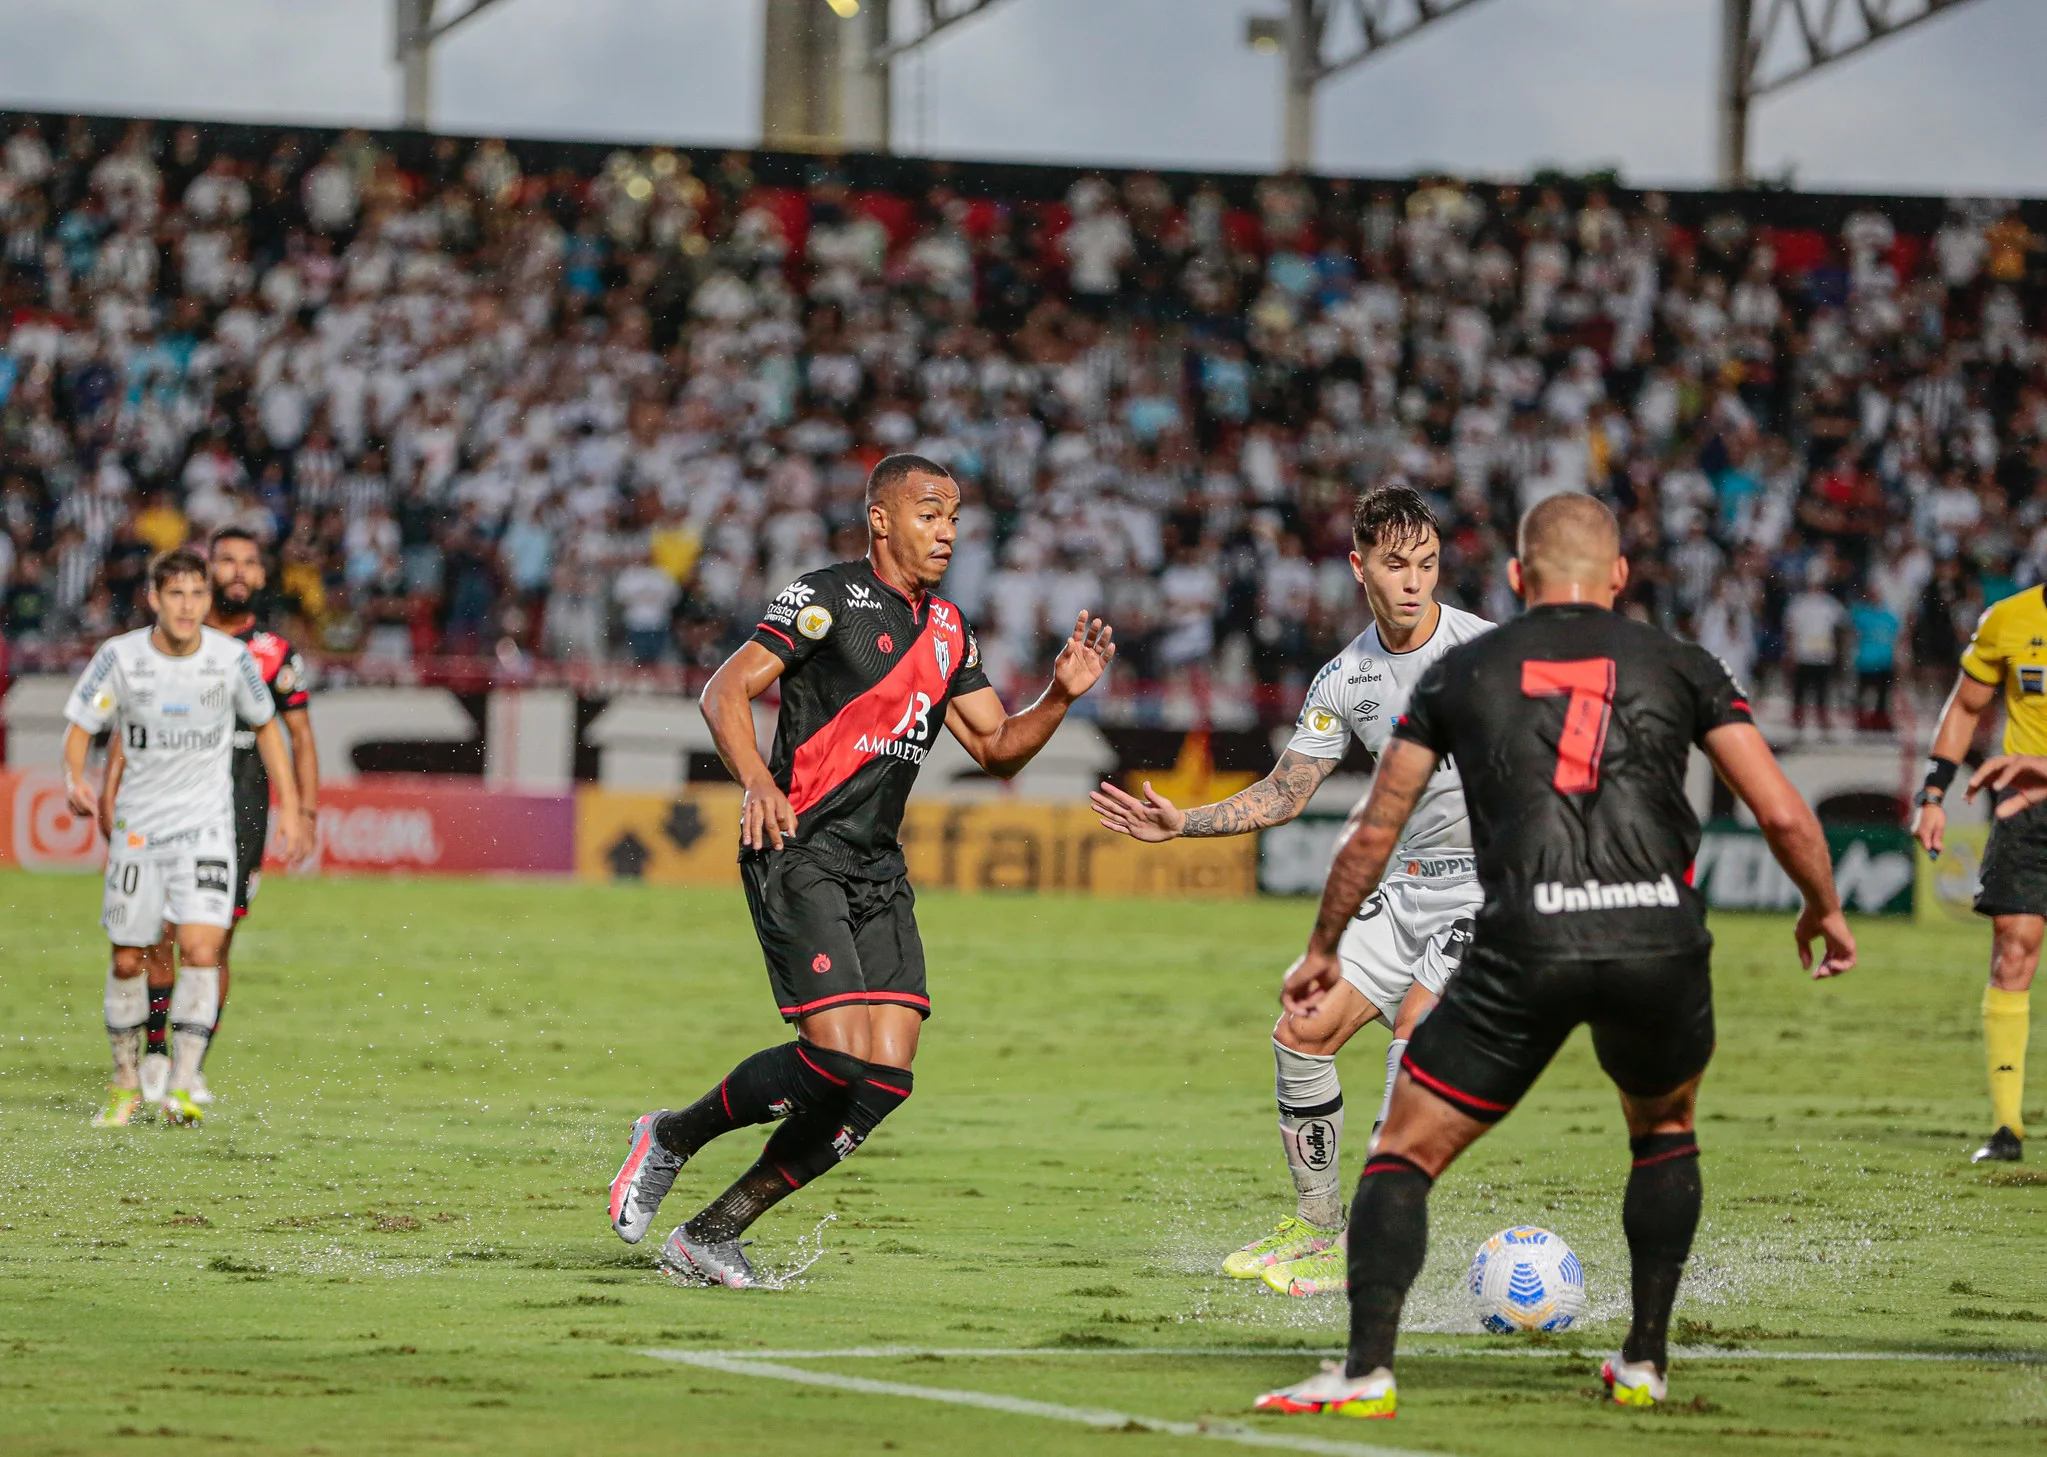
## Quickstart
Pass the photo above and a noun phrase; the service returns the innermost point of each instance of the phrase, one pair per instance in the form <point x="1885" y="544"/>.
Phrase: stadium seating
<point x="542" y="408"/>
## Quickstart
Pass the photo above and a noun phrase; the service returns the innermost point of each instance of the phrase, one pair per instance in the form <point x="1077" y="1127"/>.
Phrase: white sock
<point x="127" y="1007"/>
<point x="194" y="1005"/>
<point x="1393" y="1051"/>
<point x="1311" y="1131"/>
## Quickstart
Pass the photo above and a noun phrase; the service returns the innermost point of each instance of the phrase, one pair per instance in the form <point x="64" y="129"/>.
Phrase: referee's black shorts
<point x="1503" y="1017"/>
<point x="2014" y="878"/>
<point x="834" y="940"/>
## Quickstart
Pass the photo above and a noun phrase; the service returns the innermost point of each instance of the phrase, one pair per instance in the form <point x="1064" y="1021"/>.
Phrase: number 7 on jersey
<point x="1589" y="683"/>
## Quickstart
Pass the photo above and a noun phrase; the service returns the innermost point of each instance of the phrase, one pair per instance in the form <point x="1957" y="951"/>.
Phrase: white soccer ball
<point x="1526" y="1279"/>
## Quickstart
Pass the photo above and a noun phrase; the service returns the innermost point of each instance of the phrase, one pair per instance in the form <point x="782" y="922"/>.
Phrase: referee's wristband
<point x="1940" y="774"/>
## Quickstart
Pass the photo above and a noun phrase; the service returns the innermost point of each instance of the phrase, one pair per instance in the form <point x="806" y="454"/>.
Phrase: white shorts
<point x="1413" y="928"/>
<point x="190" y="882"/>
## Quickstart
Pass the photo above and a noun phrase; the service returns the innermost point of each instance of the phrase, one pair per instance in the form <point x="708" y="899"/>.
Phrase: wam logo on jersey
<point x="814" y="622"/>
<point x="859" y="596"/>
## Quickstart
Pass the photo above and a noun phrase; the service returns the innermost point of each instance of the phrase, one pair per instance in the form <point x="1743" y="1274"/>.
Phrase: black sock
<point x="1659" y="1215"/>
<point x="806" y="1146"/>
<point x="778" y="1082"/>
<point x="159" y="1020"/>
<point x="1389" y="1237"/>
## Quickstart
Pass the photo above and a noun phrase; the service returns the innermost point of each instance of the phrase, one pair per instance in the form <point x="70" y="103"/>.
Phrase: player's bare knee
<point x="1671" y="1112"/>
<point x="130" y="961"/>
<point x="2015" y="952"/>
<point x="1315" y="1033"/>
<point x="200" y="945"/>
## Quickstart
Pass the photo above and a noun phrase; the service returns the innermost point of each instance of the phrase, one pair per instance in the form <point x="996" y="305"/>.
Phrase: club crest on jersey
<point x="814" y="622"/>
<point x="941" y="648"/>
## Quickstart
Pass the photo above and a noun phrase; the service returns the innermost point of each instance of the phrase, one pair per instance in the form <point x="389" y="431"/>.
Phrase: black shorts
<point x="2014" y="878"/>
<point x="834" y="940"/>
<point x="1502" y="1019"/>
<point x="252" y="833"/>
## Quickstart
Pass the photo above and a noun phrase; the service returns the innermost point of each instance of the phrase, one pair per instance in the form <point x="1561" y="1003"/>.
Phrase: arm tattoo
<point x="1273" y="800"/>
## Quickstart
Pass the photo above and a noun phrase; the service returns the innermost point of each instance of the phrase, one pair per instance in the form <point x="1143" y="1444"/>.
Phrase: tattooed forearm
<point x="1273" y="800"/>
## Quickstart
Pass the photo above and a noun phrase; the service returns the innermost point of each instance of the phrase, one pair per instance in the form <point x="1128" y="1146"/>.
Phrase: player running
<point x="2009" y="651"/>
<point x="238" y="575"/>
<point x="1406" y="941"/>
<point x="1572" y="726"/>
<point x="172" y="692"/>
<point x="871" y="662"/>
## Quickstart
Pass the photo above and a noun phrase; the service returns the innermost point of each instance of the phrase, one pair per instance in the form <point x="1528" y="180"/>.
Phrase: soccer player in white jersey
<point x="1410" y="935"/>
<point x="172" y="692"/>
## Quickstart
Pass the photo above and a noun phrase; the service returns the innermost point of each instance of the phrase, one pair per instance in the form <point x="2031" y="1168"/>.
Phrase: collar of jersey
<point x="916" y="608"/>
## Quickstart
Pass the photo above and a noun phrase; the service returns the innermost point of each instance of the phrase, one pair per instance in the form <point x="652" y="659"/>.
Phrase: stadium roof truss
<point x="828" y="62"/>
<point x="415" y="26"/>
<point x="1766" y="45"/>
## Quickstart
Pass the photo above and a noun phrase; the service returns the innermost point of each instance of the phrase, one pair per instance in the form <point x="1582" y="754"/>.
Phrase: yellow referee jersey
<point x="2010" y="648"/>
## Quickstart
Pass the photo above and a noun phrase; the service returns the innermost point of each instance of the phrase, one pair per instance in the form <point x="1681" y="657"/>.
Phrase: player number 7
<point x="1589" y="682"/>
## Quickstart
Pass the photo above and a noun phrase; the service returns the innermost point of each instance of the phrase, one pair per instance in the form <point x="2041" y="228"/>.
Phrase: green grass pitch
<point x="391" y="1235"/>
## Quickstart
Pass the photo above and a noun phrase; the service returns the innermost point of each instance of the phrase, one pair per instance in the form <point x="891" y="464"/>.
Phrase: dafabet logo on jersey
<point x="814" y="622"/>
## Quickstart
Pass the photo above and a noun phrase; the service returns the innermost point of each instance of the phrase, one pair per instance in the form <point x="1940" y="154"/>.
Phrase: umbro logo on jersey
<point x="1368" y="709"/>
<point x="796" y="594"/>
<point x="1553" y="897"/>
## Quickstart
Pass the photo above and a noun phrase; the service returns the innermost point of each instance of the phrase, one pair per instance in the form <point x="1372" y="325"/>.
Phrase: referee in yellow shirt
<point x="2009" y="651"/>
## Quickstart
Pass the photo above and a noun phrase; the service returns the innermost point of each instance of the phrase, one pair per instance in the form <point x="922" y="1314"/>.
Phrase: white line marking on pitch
<point x="1682" y="1353"/>
<point x="1100" y="1418"/>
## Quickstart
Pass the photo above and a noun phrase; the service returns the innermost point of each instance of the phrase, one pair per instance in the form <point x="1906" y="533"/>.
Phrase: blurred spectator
<point x="1876" y="628"/>
<point x="1812" y="629"/>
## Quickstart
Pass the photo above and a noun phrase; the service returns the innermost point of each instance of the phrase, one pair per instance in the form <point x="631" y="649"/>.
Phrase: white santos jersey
<point x="176" y="718"/>
<point x="1363" y="690"/>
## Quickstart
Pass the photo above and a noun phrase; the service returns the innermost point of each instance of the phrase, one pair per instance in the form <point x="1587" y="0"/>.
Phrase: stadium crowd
<point x="482" y="407"/>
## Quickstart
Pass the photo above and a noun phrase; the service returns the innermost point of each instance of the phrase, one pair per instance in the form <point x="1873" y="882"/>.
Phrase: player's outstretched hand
<point x="2021" y="778"/>
<point x="1086" y="656"/>
<point x="765" y="817"/>
<point x="1832" y="928"/>
<point x="1929" y="827"/>
<point x="1309" y="981"/>
<point x="1151" y="819"/>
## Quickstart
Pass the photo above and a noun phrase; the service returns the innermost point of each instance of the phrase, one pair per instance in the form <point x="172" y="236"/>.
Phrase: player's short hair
<point x="1392" y="515"/>
<point x="233" y="533"/>
<point x="1566" y="537"/>
<point x="179" y="561"/>
<point x="892" y="470"/>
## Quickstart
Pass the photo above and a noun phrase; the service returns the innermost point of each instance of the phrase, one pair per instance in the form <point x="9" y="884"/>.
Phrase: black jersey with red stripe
<point x="284" y="674"/>
<point x="867" y="674"/>
<point x="1572" y="728"/>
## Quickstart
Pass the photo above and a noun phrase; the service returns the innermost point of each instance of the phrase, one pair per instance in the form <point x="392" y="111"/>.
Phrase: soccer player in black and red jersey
<point x="871" y="663"/>
<point x="1571" y="726"/>
<point x="239" y="576"/>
